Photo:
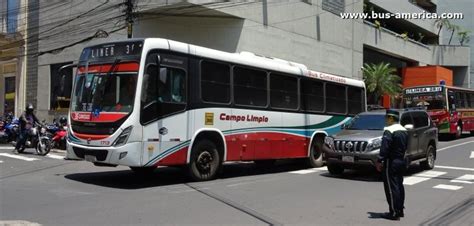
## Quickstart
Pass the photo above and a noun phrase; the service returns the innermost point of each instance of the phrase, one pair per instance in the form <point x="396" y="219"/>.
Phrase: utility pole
<point x="129" y="17"/>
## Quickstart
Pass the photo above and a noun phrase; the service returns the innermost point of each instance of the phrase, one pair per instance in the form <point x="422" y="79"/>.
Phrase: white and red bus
<point x="156" y="102"/>
<point x="450" y="108"/>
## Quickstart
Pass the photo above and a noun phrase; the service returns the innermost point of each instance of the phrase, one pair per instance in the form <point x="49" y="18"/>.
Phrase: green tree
<point x="463" y="37"/>
<point x="380" y="79"/>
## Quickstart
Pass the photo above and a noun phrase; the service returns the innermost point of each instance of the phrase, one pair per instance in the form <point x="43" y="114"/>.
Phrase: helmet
<point x="30" y="108"/>
<point x="63" y="120"/>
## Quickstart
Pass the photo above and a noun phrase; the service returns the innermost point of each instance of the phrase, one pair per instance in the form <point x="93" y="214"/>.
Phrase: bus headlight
<point x="123" y="137"/>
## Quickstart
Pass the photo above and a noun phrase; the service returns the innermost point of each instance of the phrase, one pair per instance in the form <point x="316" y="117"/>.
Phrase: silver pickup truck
<point x="358" y="144"/>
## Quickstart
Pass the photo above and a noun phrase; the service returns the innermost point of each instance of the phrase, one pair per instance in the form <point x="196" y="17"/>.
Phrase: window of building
<point x="335" y="98"/>
<point x="61" y="86"/>
<point x="12" y="15"/>
<point x="283" y="91"/>
<point x="355" y="100"/>
<point x="312" y="95"/>
<point x="9" y="95"/>
<point x="334" y="6"/>
<point x="250" y="87"/>
<point x="215" y="82"/>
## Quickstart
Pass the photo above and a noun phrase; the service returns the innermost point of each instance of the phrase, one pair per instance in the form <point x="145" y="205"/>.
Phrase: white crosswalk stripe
<point x="448" y="187"/>
<point x="306" y="171"/>
<point x="18" y="157"/>
<point x="420" y="177"/>
<point x="53" y="156"/>
<point x="472" y="155"/>
<point x="465" y="179"/>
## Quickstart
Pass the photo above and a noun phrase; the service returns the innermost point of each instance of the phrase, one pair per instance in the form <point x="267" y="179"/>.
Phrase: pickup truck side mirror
<point x="409" y="126"/>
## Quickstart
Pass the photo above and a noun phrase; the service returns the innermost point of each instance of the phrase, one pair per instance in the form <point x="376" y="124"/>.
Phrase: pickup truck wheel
<point x="430" y="158"/>
<point x="335" y="169"/>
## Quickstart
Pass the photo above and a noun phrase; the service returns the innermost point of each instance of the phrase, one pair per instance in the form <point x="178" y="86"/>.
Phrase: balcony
<point x="394" y="44"/>
<point x="405" y="6"/>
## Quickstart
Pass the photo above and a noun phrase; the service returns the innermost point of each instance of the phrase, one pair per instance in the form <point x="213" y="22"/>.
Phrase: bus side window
<point x="451" y="101"/>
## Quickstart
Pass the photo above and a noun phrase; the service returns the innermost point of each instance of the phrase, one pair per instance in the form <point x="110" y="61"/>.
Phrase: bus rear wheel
<point x="315" y="158"/>
<point x="205" y="161"/>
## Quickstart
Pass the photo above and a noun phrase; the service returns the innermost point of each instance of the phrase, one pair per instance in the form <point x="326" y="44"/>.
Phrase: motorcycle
<point x="12" y="129"/>
<point x="3" y="134"/>
<point x="37" y="138"/>
<point x="59" y="132"/>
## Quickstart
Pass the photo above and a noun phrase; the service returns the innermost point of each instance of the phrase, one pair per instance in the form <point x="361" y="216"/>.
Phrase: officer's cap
<point x="392" y="113"/>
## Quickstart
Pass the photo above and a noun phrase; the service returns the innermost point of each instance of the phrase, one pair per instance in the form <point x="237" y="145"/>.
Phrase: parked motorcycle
<point x="12" y="129"/>
<point x="3" y="134"/>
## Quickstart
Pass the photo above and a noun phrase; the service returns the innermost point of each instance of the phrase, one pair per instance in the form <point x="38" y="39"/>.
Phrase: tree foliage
<point x="381" y="79"/>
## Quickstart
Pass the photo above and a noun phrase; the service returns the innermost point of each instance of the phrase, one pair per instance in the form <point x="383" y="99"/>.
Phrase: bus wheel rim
<point x="204" y="161"/>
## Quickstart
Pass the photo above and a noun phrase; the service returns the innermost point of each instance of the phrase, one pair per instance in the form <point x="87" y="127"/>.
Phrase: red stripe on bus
<point x="265" y="145"/>
<point x="102" y="117"/>
<point x="124" y="67"/>
<point x="177" y="158"/>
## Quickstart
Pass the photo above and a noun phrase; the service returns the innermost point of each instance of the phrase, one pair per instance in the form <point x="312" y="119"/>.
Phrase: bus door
<point x="163" y="100"/>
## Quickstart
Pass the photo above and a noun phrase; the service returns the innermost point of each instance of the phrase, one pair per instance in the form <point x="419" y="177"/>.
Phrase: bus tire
<point x="458" y="133"/>
<point x="315" y="158"/>
<point x="205" y="161"/>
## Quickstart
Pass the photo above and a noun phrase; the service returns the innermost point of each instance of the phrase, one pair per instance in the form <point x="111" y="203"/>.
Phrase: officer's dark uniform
<point x="392" y="152"/>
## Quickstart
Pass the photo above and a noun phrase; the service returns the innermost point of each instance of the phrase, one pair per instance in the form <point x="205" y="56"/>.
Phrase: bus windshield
<point x="103" y="88"/>
<point x="430" y="102"/>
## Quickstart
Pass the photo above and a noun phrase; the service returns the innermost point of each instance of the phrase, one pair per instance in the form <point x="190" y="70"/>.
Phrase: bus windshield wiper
<point x="101" y="89"/>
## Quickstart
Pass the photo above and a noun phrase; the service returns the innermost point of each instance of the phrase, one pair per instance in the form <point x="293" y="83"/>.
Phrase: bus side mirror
<point x="409" y="126"/>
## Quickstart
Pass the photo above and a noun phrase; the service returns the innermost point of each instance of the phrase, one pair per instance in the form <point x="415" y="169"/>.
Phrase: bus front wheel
<point x="204" y="162"/>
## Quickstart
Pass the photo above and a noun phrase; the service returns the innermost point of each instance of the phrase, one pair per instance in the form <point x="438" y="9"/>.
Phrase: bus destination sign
<point x="112" y="50"/>
<point x="429" y="89"/>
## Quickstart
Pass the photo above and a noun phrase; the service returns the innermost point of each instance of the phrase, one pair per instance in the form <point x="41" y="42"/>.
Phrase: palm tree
<point x="463" y="36"/>
<point x="453" y="28"/>
<point x="381" y="79"/>
<point x="440" y="23"/>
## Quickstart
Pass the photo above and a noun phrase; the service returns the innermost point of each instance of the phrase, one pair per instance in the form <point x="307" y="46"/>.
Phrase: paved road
<point x="51" y="191"/>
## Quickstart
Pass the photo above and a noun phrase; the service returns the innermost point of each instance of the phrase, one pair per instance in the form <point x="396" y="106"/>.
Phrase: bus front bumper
<point x="127" y="155"/>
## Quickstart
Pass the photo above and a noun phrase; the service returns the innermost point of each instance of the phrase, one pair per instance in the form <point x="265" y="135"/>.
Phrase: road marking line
<point x="472" y="155"/>
<point x="53" y="156"/>
<point x="448" y="187"/>
<point x="454" y="168"/>
<point x="306" y="171"/>
<point x="18" y="157"/>
<point x="452" y="146"/>
<point x="1" y="161"/>
<point x="420" y="177"/>
<point x="466" y="179"/>
<point x="7" y="148"/>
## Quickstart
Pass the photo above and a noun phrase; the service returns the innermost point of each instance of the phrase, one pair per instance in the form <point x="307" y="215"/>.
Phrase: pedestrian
<point x="27" y="120"/>
<point x="391" y="163"/>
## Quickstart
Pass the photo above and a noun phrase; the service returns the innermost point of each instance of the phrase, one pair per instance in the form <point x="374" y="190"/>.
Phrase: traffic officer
<point x="392" y="164"/>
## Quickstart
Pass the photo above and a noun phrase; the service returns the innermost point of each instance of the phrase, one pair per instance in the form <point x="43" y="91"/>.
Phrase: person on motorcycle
<point x="27" y="121"/>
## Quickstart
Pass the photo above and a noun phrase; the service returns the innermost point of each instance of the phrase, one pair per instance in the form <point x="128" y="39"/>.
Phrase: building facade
<point x="310" y="32"/>
<point x="12" y="55"/>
